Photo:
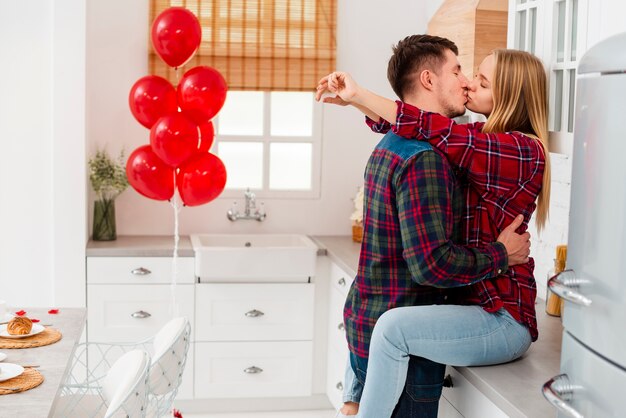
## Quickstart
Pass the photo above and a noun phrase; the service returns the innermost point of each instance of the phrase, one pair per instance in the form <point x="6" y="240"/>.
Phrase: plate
<point x="7" y="317"/>
<point x="34" y="331"/>
<point x="9" y="371"/>
<point x="2" y="356"/>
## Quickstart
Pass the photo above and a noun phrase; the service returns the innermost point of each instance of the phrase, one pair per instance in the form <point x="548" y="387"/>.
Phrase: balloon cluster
<point x="179" y="119"/>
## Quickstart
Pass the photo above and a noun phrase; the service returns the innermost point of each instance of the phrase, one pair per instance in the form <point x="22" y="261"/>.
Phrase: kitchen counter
<point x="514" y="387"/>
<point x="140" y="246"/>
<point x="53" y="361"/>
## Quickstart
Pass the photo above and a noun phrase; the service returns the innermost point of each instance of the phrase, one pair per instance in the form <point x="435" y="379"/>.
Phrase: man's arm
<point x="424" y="204"/>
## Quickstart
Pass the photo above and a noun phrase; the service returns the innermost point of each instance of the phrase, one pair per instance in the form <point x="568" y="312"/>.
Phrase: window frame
<point x="266" y="139"/>
<point x="546" y="38"/>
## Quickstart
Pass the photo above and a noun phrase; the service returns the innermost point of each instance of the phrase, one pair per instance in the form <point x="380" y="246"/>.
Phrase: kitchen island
<point x="53" y="361"/>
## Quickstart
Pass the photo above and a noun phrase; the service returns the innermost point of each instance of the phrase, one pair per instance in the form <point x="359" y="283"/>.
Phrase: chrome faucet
<point x="250" y="212"/>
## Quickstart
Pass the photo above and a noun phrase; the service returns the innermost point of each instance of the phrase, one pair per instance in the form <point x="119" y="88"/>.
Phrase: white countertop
<point x="514" y="387"/>
<point x="52" y="359"/>
<point x="140" y="246"/>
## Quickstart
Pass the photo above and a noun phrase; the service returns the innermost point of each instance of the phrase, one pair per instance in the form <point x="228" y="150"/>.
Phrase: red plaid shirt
<point x="502" y="175"/>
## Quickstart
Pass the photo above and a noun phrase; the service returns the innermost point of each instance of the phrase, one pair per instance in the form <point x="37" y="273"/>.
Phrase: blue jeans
<point x="411" y="345"/>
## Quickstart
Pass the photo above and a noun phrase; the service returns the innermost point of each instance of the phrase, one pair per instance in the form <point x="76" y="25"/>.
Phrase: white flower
<point x="357" y="215"/>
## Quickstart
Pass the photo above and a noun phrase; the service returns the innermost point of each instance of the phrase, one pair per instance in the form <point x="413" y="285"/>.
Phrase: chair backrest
<point x="170" y="346"/>
<point x="125" y="385"/>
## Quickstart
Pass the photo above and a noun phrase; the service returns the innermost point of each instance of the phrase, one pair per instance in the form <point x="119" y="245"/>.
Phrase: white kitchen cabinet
<point x="253" y="369"/>
<point x="129" y="299"/>
<point x="254" y="312"/>
<point x="129" y="313"/>
<point x="254" y="340"/>
<point x="337" y="352"/>
<point x="139" y="270"/>
<point x="466" y="400"/>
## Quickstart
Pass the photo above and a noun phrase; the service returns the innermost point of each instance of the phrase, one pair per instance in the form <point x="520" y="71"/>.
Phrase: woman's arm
<point x="347" y="92"/>
<point x="491" y="159"/>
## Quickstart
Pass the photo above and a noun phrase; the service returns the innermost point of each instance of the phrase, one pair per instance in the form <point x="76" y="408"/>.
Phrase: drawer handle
<point x="339" y="386"/>
<point x="341" y="326"/>
<point x="254" y="313"/>
<point x="341" y="282"/>
<point x="141" y="271"/>
<point x="253" y="370"/>
<point x="558" y="391"/>
<point x="140" y="314"/>
<point x="565" y="284"/>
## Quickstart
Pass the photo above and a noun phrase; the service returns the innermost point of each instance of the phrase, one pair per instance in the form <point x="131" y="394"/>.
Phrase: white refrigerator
<point x="592" y="382"/>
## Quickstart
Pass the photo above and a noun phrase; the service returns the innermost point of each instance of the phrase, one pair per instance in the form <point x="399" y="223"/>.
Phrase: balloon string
<point x="173" y="306"/>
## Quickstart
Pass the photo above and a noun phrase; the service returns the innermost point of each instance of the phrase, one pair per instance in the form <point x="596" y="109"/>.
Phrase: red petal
<point x="34" y="319"/>
<point x="20" y="313"/>
<point x="53" y="311"/>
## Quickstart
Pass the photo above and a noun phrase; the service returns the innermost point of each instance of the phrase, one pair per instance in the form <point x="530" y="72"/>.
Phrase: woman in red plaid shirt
<point x="506" y="163"/>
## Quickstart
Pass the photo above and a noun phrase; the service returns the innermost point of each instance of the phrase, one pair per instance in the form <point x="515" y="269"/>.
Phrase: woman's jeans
<point x="430" y="337"/>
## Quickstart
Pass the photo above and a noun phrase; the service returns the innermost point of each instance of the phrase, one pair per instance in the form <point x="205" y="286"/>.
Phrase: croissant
<point x="19" y="326"/>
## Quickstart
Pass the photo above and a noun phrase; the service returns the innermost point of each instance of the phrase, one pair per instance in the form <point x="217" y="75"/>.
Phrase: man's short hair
<point x="414" y="54"/>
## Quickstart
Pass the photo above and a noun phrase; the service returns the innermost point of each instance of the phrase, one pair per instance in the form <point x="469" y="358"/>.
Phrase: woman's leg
<point x="446" y="334"/>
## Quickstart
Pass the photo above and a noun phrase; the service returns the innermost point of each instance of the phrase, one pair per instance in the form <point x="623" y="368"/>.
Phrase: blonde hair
<point x="520" y="103"/>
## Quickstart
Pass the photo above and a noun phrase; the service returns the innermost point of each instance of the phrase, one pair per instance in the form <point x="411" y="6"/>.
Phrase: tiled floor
<point x="281" y="414"/>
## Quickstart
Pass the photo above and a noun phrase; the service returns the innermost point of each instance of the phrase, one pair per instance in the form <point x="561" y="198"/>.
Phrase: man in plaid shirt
<point x="413" y="205"/>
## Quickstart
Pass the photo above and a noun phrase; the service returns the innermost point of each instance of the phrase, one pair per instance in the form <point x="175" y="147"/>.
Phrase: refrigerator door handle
<point x="558" y="391"/>
<point x="565" y="285"/>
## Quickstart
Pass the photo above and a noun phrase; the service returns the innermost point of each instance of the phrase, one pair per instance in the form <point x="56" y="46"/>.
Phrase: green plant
<point x="107" y="175"/>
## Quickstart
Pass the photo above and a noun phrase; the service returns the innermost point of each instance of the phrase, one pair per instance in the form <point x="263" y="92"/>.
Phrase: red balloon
<point x="150" y="98"/>
<point x="176" y="35"/>
<point x="201" y="179"/>
<point x="174" y="138"/>
<point x="202" y="93"/>
<point x="149" y="175"/>
<point x="207" y="134"/>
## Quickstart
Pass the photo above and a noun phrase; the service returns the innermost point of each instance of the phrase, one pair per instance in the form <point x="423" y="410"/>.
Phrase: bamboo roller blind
<point x="270" y="45"/>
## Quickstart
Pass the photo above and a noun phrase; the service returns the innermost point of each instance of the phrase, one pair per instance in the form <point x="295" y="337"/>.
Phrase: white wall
<point x="42" y="209"/>
<point x="117" y="40"/>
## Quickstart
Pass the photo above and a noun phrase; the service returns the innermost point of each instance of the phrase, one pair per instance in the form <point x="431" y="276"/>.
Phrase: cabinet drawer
<point x="335" y="374"/>
<point x="253" y="370"/>
<point x="254" y="312"/>
<point x="340" y="279"/>
<point x="138" y="270"/>
<point x="468" y="400"/>
<point x="130" y="313"/>
<point x="336" y="329"/>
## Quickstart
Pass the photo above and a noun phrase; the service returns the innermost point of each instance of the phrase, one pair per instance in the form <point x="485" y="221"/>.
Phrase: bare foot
<point x="349" y="408"/>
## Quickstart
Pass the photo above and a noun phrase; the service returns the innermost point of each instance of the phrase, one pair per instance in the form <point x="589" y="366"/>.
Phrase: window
<point x="270" y="143"/>
<point x="551" y="29"/>
<point x="526" y="25"/>
<point x="271" y="53"/>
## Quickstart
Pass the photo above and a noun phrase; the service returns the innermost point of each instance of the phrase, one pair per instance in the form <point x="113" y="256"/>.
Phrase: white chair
<point x="122" y="392"/>
<point x="168" y="350"/>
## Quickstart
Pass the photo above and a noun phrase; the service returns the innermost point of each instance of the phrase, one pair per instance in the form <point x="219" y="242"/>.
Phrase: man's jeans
<point x="424" y="382"/>
<point x="403" y="338"/>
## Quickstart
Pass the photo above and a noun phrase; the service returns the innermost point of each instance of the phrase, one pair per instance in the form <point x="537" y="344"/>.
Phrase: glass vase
<point x="104" y="220"/>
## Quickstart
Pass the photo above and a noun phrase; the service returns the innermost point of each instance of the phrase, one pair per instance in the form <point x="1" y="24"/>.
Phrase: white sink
<point x="258" y="257"/>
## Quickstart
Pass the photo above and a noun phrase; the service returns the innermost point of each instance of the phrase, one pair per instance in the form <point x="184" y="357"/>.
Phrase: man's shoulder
<point x="402" y="147"/>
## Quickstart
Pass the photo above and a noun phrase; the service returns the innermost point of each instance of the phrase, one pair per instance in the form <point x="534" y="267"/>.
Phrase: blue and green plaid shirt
<point x="412" y="210"/>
